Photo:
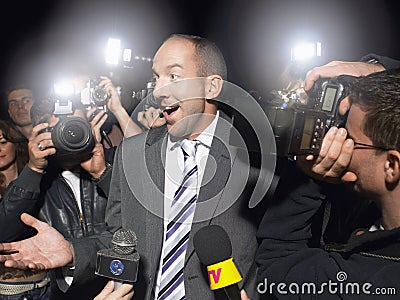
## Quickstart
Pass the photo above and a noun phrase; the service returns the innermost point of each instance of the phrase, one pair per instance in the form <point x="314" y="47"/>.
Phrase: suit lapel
<point x="218" y="168"/>
<point x="155" y="151"/>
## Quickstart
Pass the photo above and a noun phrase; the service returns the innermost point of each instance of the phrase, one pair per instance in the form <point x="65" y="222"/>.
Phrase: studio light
<point x="306" y="51"/>
<point x="113" y="51"/>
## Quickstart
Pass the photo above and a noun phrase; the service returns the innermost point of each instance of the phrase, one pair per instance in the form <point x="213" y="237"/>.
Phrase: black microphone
<point x="121" y="262"/>
<point x="214" y="249"/>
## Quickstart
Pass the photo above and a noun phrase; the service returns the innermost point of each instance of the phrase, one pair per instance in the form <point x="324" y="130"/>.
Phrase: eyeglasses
<point x="371" y="146"/>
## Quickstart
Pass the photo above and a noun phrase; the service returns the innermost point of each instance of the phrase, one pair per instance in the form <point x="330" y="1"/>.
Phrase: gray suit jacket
<point x="136" y="202"/>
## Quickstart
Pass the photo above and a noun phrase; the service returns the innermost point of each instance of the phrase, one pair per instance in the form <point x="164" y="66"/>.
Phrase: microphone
<point x="214" y="249"/>
<point x="121" y="262"/>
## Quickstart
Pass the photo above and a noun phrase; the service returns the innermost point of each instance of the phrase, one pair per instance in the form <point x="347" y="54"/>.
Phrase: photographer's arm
<point x="129" y="127"/>
<point x="286" y="253"/>
<point x="387" y="62"/>
<point x="22" y="194"/>
<point x="336" y="68"/>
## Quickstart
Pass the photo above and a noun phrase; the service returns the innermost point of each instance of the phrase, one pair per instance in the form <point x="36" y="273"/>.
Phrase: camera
<point x="94" y="95"/>
<point x="146" y="95"/>
<point x="73" y="138"/>
<point x="299" y="121"/>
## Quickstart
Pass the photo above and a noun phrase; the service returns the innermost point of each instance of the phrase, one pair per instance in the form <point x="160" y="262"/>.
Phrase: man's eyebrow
<point x="16" y="99"/>
<point x="174" y="65"/>
<point x="168" y="67"/>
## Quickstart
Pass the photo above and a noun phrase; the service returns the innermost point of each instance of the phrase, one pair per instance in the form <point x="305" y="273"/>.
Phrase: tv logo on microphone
<point x="223" y="274"/>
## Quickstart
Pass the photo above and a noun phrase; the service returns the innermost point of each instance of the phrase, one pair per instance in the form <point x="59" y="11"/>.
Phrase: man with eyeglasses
<point x="291" y="261"/>
<point x="19" y="101"/>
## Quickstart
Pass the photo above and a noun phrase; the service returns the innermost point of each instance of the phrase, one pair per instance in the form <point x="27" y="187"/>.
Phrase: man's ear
<point x="213" y="86"/>
<point x="392" y="166"/>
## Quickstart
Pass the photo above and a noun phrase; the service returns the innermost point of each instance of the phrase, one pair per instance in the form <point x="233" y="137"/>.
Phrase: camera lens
<point x="73" y="135"/>
<point x="99" y="95"/>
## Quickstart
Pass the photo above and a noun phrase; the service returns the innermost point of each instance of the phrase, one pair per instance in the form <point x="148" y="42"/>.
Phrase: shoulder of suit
<point x="150" y="136"/>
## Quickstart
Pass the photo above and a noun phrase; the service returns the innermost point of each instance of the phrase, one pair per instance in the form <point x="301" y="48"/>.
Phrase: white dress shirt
<point x="174" y="174"/>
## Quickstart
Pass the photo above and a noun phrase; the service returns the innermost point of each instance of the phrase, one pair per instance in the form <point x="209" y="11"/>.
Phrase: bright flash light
<point x="305" y="51"/>
<point x="64" y="89"/>
<point x="113" y="51"/>
<point x="127" y="55"/>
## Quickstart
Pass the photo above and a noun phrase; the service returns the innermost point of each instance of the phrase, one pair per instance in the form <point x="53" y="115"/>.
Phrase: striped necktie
<point x="178" y="229"/>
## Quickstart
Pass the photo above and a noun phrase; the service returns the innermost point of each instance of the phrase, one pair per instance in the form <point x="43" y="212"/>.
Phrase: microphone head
<point x="124" y="241"/>
<point x="212" y="245"/>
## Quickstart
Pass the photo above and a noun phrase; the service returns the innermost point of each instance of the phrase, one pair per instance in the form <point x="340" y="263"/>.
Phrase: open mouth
<point x="170" y="109"/>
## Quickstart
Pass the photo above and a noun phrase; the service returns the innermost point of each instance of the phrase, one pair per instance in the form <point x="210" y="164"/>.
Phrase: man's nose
<point x="161" y="90"/>
<point x="21" y="105"/>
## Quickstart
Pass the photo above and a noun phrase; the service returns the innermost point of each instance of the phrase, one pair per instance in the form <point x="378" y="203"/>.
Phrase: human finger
<point x="342" y="161"/>
<point x="33" y="222"/>
<point x="37" y="129"/>
<point x="142" y="119"/>
<point x="326" y="143"/>
<point x="107" y="290"/>
<point x="334" y="157"/>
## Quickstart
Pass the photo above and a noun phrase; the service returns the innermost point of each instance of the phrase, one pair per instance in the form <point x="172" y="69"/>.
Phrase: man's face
<point x="179" y="91"/>
<point x="19" y="106"/>
<point x="366" y="162"/>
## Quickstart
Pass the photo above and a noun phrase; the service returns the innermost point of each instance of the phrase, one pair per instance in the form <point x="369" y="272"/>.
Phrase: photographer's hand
<point x="333" y="159"/>
<point x="129" y="128"/>
<point x="336" y="68"/>
<point x="96" y="164"/>
<point x="150" y="118"/>
<point x="40" y="146"/>
<point x="114" y="102"/>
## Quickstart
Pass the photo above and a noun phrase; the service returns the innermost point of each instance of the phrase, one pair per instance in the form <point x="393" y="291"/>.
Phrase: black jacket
<point x="290" y="255"/>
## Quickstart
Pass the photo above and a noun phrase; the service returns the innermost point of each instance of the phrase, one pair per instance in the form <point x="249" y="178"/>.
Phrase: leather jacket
<point x="56" y="205"/>
<point x="56" y="200"/>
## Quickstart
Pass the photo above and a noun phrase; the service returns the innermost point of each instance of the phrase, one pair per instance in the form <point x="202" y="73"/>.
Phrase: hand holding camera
<point x="299" y="126"/>
<point x="113" y="98"/>
<point x="96" y="164"/>
<point x="336" y="150"/>
<point x="95" y="94"/>
<point x="40" y="147"/>
<point x="331" y="163"/>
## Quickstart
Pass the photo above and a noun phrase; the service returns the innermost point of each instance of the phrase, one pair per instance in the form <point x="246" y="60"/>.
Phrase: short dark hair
<point x="378" y="94"/>
<point x="18" y="86"/>
<point x="210" y="58"/>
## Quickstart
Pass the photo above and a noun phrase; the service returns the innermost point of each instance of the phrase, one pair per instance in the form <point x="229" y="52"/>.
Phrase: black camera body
<point x="73" y="138"/>
<point x="94" y="95"/>
<point x="146" y="95"/>
<point x="299" y="128"/>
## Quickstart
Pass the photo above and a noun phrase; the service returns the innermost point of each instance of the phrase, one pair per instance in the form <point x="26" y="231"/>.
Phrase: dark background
<point x="43" y="39"/>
